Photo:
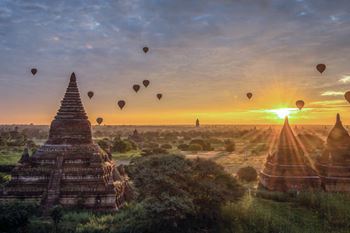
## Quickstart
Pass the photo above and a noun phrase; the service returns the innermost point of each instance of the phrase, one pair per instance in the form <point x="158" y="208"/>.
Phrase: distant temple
<point x="197" y="123"/>
<point x="334" y="163"/>
<point x="135" y="137"/>
<point x="69" y="169"/>
<point x="288" y="168"/>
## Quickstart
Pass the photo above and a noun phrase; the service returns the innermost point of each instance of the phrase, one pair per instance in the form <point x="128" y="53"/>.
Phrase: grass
<point x="10" y="156"/>
<point x="260" y="215"/>
<point x="127" y="155"/>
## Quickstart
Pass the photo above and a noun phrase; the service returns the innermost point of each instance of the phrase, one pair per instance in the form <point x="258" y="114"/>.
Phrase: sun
<point x="282" y="112"/>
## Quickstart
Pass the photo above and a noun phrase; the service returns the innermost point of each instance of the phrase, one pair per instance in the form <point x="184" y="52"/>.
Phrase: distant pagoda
<point x="197" y="123"/>
<point x="69" y="169"/>
<point x="135" y="137"/>
<point x="288" y="168"/>
<point x="334" y="163"/>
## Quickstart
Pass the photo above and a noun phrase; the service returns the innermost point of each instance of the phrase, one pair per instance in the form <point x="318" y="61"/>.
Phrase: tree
<point x="248" y="174"/>
<point x="195" y="147"/>
<point x="230" y="147"/>
<point x="183" y="147"/>
<point x="56" y="215"/>
<point x="182" y="195"/>
<point x="204" y="144"/>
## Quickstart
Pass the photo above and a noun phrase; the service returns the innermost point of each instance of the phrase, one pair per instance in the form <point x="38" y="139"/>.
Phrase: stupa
<point x="197" y="123"/>
<point x="288" y="168"/>
<point x="334" y="163"/>
<point x="69" y="169"/>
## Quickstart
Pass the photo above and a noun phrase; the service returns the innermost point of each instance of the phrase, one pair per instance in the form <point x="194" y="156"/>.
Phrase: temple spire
<point x="71" y="105"/>
<point x="71" y="125"/>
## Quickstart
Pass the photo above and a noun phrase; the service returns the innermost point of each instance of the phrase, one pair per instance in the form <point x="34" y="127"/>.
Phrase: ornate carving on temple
<point x="69" y="169"/>
<point x="288" y="168"/>
<point x="333" y="165"/>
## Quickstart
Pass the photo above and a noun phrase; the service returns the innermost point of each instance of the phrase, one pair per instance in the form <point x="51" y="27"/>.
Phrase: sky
<point x="204" y="57"/>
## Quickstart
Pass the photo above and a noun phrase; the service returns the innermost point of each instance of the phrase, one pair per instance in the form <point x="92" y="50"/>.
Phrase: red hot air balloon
<point x="321" y="68"/>
<point x="90" y="94"/>
<point x="121" y="104"/>
<point x="145" y="83"/>
<point x="300" y="104"/>
<point x="34" y="71"/>
<point x="159" y="96"/>
<point x="145" y="49"/>
<point x="136" y="87"/>
<point x="249" y="95"/>
<point x="99" y="120"/>
<point x="347" y="96"/>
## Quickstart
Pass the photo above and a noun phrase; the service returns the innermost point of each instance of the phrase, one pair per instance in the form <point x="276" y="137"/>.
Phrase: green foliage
<point x="166" y="146"/>
<point x="183" y="147"/>
<point x="195" y="147"/>
<point x="230" y="147"/>
<point x="14" y="216"/>
<point x="204" y="144"/>
<point x="247" y="174"/>
<point x="181" y="195"/>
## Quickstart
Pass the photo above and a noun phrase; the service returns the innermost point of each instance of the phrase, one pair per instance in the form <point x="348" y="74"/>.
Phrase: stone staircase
<point x="53" y="190"/>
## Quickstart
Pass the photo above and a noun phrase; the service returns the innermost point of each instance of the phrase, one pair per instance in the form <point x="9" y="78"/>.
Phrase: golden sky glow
<point x="204" y="57"/>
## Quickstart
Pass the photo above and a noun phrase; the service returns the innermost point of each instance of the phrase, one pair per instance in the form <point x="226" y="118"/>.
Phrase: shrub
<point x="247" y="174"/>
<point x="230" y="147"/>
<point x="183" y="147"/>
<point x="195" y="147"/>
<point x="204" y="144"/>
<point x="166" y="146"/>
<point x="14" y="216"/>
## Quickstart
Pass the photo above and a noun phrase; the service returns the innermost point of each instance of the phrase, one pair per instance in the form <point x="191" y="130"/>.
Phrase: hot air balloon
<point x="300" y="104"/>
<point x="34" y="71"/>
<point x="121" y="104"/>
<point x="347" y="96"/>
<point x="145" y="83"/>
<point x="249" y="95"/>
<point x="90" y="94"/>
<point x="321" y="68"/>
<point x="159" y="96"/>
<point x="136" y="87"/>
<point x="145" y="49"/>
<point x="99" y="120"/>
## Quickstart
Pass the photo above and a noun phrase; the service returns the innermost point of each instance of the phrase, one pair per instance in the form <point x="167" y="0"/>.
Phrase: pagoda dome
<point x="338" y="142"/>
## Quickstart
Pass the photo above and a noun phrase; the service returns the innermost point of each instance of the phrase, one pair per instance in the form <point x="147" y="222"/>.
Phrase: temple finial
<point x="286" y="122"/>
<point x="338" y="119"/>
<point x="72" y="77"/>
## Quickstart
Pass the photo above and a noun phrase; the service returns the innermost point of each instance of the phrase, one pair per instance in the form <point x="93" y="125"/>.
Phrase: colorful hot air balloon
<point x="145" y="82"/>
<point x="159" y="96"/>
<point x="121" y="104"/>
<point x="90" y="94"/>
<point x="249" y="95"/>
<point x="145" y="49"/>
<point x="347" y="96"/>
<point x="321" y="68"/>
<point x="34" y="71"/>
<point x="99" y="120"/>
<point x="300" y="104"/>
<point x="136" y="87"/>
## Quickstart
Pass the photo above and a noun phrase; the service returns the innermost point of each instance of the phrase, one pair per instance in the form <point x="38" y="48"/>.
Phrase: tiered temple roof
<point x="334" y="163"/>
<point x="288" y="168"/>
<point x="69" y="169"/>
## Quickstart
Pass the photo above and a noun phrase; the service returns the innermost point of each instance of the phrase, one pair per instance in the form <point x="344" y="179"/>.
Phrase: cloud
<point x="332" y="93"/>
<point x="345" y="79"/>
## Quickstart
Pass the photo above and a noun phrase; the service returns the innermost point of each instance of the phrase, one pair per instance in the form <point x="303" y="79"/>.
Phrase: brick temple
<point x="69" y="169"/>
<point x="334" y="163"/>
<point x="288" y="168"/>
